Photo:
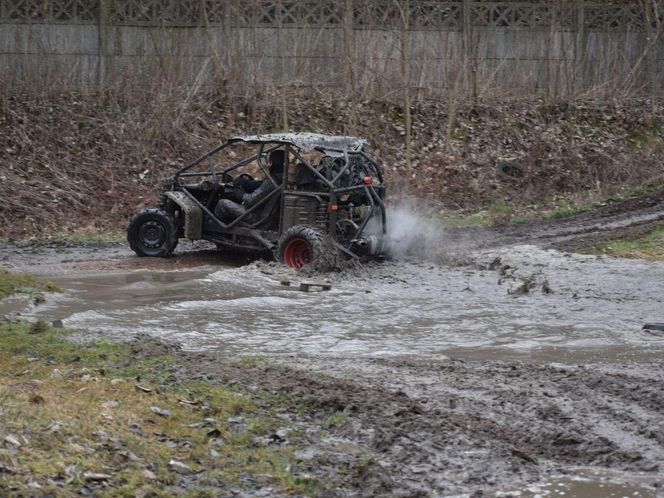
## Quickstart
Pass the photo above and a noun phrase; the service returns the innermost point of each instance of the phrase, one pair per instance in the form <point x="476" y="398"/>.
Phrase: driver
<point x="249" y="192"/>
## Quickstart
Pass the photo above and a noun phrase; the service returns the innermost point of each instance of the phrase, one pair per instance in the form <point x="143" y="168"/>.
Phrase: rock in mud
<point x="162" y="412"/>
<point x="137" y="429"/>
<point x="54" y="427"/>
<point x="56" y="374"/>
<point x="96" y="477"/>
<point x="179" y="467"/>
<point x="12" y="440"/>
<point x="148" y="474"/>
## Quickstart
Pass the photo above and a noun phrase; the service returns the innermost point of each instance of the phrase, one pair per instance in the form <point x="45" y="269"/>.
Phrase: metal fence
<point x="506" y="45"/>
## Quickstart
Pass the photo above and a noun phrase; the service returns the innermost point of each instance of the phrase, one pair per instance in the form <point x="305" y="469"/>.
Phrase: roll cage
<point x="329" y="190"/>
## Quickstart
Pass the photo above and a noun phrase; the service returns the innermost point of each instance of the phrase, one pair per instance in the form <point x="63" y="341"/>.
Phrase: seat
<point x="304" y="177"/>
<point x="267" y="216"/>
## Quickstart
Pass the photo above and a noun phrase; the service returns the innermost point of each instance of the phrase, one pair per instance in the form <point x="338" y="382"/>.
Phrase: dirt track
<point x="460" y="427"/>
<point x="445" y="426"/>
<point x="569" y="233"/>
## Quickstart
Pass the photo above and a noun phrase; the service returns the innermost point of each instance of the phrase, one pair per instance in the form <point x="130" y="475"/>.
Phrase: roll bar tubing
<point x="371" y="191"/>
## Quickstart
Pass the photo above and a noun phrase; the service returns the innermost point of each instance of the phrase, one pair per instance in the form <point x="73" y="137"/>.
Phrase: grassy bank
<point x="21" y="283"/>
<point x="101" y="418"/>
<point x="648" y="246"/>
<point x="500" y="213"/>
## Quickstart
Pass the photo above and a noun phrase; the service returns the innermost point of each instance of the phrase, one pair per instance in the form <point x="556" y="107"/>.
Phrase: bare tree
<point x="405" y="65"/>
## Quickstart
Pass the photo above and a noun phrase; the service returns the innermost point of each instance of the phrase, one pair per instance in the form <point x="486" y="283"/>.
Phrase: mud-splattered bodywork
<point x="329" y="183"/>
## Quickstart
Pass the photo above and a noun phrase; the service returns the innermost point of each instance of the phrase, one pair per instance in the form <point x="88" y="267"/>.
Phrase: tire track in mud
<point x="499" y="424"/>
<point x="446" y="427"/>
<point x="570" y="232"/>
<point x="628" y="414"/>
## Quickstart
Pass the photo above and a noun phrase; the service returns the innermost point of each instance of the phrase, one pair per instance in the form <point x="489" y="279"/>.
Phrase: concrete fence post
<point x="102" y="43"/>
<point x="580" y="46"/>
<point x="468" y="59"/>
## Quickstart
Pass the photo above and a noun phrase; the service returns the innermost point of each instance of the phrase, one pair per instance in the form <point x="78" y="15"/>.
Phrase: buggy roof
<point x="306" y="141"/>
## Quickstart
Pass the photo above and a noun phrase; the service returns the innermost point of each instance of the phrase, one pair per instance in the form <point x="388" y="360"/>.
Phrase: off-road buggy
<point x="329" y="201"/>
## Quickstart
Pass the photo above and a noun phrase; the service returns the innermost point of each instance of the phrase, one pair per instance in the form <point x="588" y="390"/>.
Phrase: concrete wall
<point x="511" y="60"/>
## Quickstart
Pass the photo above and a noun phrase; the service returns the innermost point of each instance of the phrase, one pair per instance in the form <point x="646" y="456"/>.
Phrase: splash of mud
<point x="414" y="232"/>
<point x="411" y="233"/>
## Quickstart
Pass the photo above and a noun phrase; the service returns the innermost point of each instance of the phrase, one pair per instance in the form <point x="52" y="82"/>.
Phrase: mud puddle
<point x="64" y="257"/>
<point x="518" y="303"/>
<point x="587" y="483"/>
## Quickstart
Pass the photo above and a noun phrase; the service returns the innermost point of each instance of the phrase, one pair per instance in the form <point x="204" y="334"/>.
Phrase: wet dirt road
<point x="453" y="380"/>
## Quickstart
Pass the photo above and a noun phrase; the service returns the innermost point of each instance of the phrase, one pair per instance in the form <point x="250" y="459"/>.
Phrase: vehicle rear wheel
<point x="152" y="233"/>
<point x="303" y="245"/>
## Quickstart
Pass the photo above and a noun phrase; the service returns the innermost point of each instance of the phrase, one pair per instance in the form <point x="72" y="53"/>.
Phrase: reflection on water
<point x="589" y="483"/>
<point x="596" y="309"/>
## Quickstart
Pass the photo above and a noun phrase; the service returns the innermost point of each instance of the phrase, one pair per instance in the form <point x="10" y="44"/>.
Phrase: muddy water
<point x="586" y="484"/>
<point x="595" y="310"/>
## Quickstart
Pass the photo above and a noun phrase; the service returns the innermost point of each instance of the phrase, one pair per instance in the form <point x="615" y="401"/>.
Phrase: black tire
<point x="510" y="170"/>
<point x="303" y="245"/>
<point x="152" y="233"/>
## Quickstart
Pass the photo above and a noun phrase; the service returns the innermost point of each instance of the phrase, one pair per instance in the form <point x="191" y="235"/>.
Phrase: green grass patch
<point x="521" y="219"/>
<point x="639" y="191"/>
<point x="69" y="411"/>
<point x="647" y="137"/>
<point x="564" y="208"/>
<point x="253" y="360"/>
<point x="502" y="213"/>
<point x="21" y="283"/>
<point x="335" y="419"/>
<point x="464" y="220"/>
<point x="499" y="213"/>
<point x="649" y="246"/>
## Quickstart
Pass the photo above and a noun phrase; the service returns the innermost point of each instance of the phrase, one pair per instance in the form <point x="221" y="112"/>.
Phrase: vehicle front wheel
<point x="152" y="233"/>
<point x="303" y="245"/>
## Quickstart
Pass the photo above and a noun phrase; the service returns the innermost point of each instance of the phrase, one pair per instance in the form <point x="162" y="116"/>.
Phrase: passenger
<point x="248" y="192"/>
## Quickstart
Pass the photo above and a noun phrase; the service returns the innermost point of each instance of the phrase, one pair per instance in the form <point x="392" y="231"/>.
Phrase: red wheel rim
<point x="298" y="252"/>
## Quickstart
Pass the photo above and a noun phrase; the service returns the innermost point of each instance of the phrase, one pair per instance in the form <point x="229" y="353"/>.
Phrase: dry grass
<point x="68" y="412"/>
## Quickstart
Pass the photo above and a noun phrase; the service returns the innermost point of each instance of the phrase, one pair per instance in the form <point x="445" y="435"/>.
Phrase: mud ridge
<point x="612" y="220"/>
